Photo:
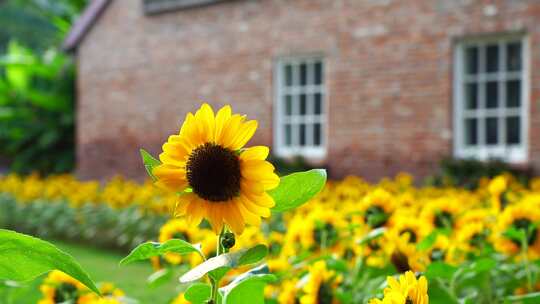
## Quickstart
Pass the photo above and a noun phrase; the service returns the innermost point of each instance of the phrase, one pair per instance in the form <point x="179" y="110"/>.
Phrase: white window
<point x="491" y="99"/>
<point x="300" y="107"/>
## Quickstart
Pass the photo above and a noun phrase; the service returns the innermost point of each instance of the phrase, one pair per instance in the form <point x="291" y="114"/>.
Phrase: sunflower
<point x="219" y="180"/>
<point x="180" y="300"/>
<point x="177" y="229"/>
<point x="377" y="206"/>
<point x="288" y="293"/>
<point x="442" y="213"/>
<point x="59" y="287"/>
<point x="402" y="252"/>
<point x="320" y="285"/>
<point x="524" y="218"/>
<point x="408" y="290"/>
<point x="110" y="294"/>
<point x="472" y="237"/>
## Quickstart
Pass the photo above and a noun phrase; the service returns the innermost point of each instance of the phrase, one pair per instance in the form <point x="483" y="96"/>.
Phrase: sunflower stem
<point x="524" y="250"/>
<point x="215" y="283"/>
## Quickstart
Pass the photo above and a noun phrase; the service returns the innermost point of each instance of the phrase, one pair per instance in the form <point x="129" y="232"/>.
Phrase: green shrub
<point x="37" y="111"/>
<point x="468" y="172"/>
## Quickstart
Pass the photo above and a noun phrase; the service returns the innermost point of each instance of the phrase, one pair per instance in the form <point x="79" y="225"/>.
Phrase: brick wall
<point x="388" y="72"/>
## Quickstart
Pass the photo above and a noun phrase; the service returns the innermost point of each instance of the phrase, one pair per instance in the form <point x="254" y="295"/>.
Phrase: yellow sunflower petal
<point x="244" y="134"/>
<point x="249" y="216"/>
<point x="230" y="129"/>
<point x="260" y="170"/>
<point x="263" y="200"/>
<point x="233" y="217"/>
<point x="215" y="216"/>
<point x="195" y="212"/>
<point x="206" y="122"/>
<point x="251" y="186"/>
<point x="222" y="116"/>
<point x="255" y="153"/>
<point x="256" y="209"/>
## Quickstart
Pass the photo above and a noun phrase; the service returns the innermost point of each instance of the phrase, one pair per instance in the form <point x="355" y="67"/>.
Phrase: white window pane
<point x="303" y="104"/>
<point x="471" y="60"/>
<point x="302" y="134"/>
<point x="288" y="75"/>
<point x="471" y="96"/>
<point x="318" y="73"/>
<point x="513" y="56"/>
<point x="513" y="130"/>
<point x="317" y="134"/>
<point x="492" y="58"/>
<point x="471" y="132"/>
<point x="303" y="74"/>
<point x="513" y="93"/>
<point x="492" y="131"/>
<point x="288" y="135"/>
<point x="318" y="103"/>
<point x="492" y="94"/>
<point x="288" y="105"/>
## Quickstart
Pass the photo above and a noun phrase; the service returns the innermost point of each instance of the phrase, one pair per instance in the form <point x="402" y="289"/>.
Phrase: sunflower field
<point x="470" y="246"/>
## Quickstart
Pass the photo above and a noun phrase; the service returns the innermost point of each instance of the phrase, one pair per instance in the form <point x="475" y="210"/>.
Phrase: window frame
<point x="517" y="154"/>
<point x="310" y="152"/>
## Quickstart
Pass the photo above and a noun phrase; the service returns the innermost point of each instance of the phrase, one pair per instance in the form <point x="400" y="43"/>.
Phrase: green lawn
<point x="103" y="266"/>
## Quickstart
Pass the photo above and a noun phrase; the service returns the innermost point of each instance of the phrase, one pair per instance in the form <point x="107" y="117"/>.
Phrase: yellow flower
<point x="522" y="217"/>
<point x="408" y="290"/>
<point x="176" y="229"/>
<point x="320" y="285"/>
<point x="288" y="292"/>
<point x="59" y="287"/>
<point x="225" y="183"/>
<point x="180" y="300"/>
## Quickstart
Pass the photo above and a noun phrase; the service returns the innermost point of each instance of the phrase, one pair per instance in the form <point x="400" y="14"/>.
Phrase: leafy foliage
<point x="37" y="110"/>
<point x="468" y="172"/>
<point x="24" y="258"/>
<point x="297" y="188"/>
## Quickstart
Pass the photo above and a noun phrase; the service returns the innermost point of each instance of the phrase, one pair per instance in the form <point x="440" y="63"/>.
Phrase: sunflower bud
<point x="228" y="241"/>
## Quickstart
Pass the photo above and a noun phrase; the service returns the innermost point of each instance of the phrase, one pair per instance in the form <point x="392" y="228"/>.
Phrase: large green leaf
<point x="297" y="188"/>
<point x="23" y="258"/>
<point x="150" y="249"/>
<point x="253" y="255"/>
<point x="198" y="293"/>
<point x="249" y="285"/>
<point x="149" y="163"/>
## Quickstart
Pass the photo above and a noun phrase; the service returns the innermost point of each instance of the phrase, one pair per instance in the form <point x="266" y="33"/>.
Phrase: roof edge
<point x="83" y="25"/>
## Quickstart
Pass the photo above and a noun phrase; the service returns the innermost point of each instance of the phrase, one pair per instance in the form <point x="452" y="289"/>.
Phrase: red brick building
<point x="369" y="87"/>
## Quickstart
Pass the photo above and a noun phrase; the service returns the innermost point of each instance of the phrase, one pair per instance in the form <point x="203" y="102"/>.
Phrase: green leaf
<point x="248" y="286"/>
<point x="198" y="293"/>
<point x="23" y="258"/>
<point x="218" y="273"/>
<point x="440" y="270"/>
<point x="149" y="163"/>
<point x="483" y="265"/>
<point x="150" y="249"/>
<point x="297" y="188"/>
<point x="160" y="277"/>
<point x="253" y="255"/>
<point x="428" y="241"/>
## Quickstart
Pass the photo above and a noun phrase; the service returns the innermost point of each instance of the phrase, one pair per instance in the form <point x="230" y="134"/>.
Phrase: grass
<point x="103" y="266"/>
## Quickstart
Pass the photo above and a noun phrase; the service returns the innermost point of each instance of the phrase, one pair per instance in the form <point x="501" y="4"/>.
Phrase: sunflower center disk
<point x="214" y="172"/>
